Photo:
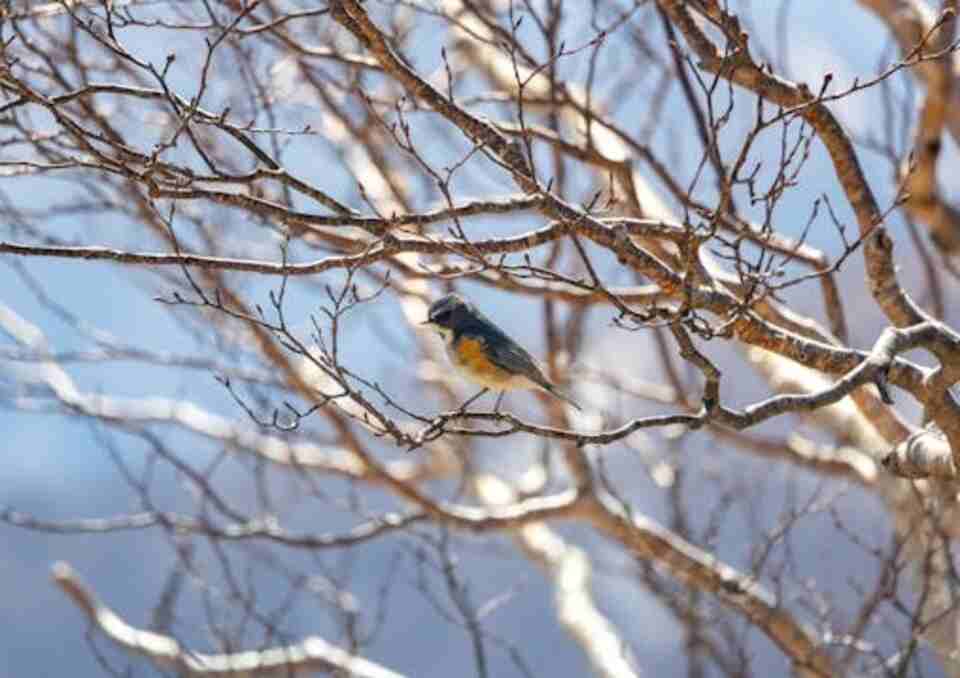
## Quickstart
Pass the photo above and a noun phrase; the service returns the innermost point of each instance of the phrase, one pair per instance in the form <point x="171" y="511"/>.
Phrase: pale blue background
<point x="55" y="467"/>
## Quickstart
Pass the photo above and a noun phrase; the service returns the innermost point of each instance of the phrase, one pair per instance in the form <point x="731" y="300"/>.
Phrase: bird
<point x="483" y="353"/>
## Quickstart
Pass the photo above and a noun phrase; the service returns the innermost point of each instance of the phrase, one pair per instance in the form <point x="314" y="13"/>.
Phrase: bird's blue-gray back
<point x="505" y="352"/>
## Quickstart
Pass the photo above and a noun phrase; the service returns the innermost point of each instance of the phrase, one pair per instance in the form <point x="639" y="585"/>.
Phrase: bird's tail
<point x="553" y="390"/>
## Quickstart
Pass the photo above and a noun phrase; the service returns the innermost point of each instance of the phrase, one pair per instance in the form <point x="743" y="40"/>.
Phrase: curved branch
<point x="739" y="67"/>
<point x="310" y="654"/>
<point x="917" y="28"/>
<point x="699" y="569"/>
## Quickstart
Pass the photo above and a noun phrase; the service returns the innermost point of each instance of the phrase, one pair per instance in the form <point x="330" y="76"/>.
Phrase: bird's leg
<point x="496" y="408"/>
<point x="473" y="397"/>
<point x="439" y="422"/>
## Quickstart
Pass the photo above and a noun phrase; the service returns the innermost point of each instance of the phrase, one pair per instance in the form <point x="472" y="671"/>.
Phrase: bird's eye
<point x="441" y="316"/>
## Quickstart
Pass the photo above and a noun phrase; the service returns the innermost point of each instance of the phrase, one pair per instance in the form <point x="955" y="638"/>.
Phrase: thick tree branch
<point x="738" y="66"/>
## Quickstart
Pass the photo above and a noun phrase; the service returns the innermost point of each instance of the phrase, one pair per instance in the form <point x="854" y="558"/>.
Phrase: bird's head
<point x="447" y="313"/>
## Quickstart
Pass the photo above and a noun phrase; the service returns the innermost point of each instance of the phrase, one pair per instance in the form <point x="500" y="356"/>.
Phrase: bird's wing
<point x="509" y="355"/>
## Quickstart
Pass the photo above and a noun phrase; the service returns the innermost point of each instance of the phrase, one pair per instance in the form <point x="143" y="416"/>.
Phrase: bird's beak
<point x="426" y="322"/>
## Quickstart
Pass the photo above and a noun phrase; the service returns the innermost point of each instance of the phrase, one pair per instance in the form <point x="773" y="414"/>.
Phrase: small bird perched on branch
<point x="483" y="353"/>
